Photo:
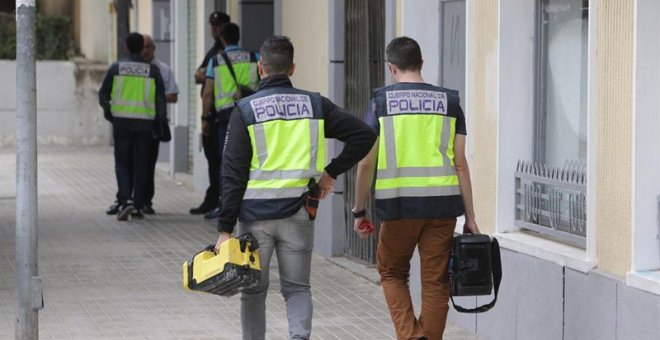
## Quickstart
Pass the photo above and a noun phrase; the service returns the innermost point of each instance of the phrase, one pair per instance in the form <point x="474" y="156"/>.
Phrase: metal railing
<point x="552" y="201"/>
<point x="364" y="71"/>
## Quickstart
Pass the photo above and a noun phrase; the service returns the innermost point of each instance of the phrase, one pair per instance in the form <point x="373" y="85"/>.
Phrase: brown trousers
<point x="396" y="245"/>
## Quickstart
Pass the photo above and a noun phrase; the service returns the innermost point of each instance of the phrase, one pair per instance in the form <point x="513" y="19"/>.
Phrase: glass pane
<point x="564" y="82"/>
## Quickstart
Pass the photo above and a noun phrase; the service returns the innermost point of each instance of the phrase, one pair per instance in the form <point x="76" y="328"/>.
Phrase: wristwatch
<point x="359" y="213"/>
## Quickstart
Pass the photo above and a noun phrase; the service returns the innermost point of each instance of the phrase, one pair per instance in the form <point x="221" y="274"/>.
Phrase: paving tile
<point x="105" y="279"/>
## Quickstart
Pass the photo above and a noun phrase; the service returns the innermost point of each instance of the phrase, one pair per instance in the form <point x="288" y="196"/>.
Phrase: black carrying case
<point x="475" y="268"/>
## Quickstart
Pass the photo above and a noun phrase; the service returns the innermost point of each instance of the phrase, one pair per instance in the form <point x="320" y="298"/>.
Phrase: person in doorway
<point x="133" y="100"/>
<point x="208" y="119"/>
<point x="231" y="75"/>
<point x="274" y="156"/>
<point x="422" y="185"/>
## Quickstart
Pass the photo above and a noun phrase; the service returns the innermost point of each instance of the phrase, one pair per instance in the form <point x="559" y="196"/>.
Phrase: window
<point x="551" y="190"/>
<point x="561" y="94"/>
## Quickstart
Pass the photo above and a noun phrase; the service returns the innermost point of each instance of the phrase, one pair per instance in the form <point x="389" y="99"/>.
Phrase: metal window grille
<point x="364" y="71"/>
<point x="552" y="201"/>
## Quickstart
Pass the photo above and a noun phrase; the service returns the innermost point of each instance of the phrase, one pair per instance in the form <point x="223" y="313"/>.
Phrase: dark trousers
<point x="212" y="154"/>
<point x="153" y="158"/>
<point x="131" y="165"/>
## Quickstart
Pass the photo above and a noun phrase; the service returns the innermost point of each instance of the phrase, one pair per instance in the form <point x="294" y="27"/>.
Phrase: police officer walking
<point x="275" y="152"/>
<point x="133" y="99"/>
<point x="422" y="185"/>
<point x="231" y="75"/>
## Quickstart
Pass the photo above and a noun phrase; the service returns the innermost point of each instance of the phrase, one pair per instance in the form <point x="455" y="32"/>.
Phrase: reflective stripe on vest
<point x="416" y="156"/>
<point x="133" y="92"/>
<point x="286" y="154"/>
<point x="225" y="89"/>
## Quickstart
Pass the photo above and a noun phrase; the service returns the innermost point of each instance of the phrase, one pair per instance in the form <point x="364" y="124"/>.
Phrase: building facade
<point x="562" y="108"/>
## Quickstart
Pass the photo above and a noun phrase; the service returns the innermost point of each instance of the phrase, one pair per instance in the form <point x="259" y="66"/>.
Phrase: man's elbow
<point x="461" y="166"/>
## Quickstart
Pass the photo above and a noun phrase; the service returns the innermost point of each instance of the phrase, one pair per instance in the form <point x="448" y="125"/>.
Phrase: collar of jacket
<point x="277" y="80"/>
<point x="136" y="57"/>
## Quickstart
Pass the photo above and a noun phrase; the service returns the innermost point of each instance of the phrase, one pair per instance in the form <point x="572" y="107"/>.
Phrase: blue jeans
<point x="292" y="239"/>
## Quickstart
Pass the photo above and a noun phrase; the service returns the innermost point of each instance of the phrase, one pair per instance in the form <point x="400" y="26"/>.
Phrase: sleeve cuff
<point x="222" y="227"/>
<point x="332" y="171"/>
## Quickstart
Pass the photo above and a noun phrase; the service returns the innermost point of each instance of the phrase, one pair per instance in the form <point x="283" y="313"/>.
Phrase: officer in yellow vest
<point x="232" y="74"/>
<point x="275" y="152"/>
<point x="422" y="185"/>
<point x="133" y="100"/>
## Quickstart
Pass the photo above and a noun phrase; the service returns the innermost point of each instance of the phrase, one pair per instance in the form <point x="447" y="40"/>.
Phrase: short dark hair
<point x="277" y="54"/>
<point x="231" y="33"/>
<point x="218" y="18"/>
<point x="134" y="42"/>
<point x="404" y="53"/>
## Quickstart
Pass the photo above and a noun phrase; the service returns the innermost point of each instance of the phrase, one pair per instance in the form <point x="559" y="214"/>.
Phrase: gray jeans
<point x="292" y="239"/>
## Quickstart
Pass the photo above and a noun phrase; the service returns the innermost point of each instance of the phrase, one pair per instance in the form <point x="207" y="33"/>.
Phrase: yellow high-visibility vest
<point x="225" y="88"/>
<point x="416" y="146"/>
<point x="287" y="136"/>
<point x="133" y="92"/>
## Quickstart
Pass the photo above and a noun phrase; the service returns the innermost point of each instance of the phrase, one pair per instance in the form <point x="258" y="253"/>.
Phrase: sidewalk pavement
<point x="105" y="279"/>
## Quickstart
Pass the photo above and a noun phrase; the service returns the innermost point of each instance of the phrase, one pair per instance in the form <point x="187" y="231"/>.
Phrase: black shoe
<point x="201" y="210"/>
<point x="113" y="209"/>
<point x="213" y="214"/>
<point x="137" y="214"/>
<point x="125" y="211"/>
<point x="148" y="209"/>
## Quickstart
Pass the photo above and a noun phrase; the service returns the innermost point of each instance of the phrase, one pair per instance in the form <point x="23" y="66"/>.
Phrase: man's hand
<point x="206" y="128"/>
<point x="471" y="227"/>
<point x="200" y="75"/>
<point x="326" y="185"/>
<point x="222" y="238"/>
<point x="359" y="226"/>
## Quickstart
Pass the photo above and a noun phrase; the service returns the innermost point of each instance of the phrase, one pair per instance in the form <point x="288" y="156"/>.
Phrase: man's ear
<point x="292" y="70"/>
<point x="260" y="67"/>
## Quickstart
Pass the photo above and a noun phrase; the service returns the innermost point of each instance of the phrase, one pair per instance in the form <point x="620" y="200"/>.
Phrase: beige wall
<point x="96" y="30"/>
<point x="482" y="58"/>
<point x="143" y="15"/>
<point x="614" y="135"/>
<point x="306" y="23"/>
<point x="399" y="18"/>
<point x="234" y="11"/>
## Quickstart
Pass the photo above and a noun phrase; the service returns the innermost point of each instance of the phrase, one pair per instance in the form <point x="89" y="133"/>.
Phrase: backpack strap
<point x="225" y="57"/>
<point x="496" y="263"/>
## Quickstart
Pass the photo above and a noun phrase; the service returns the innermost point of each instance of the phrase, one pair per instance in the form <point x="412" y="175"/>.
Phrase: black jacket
<point x="105" y="93"/>
<point x="339" y="124"/>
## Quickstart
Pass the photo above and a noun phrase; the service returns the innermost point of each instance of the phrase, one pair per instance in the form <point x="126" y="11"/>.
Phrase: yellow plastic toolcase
<point x="234" y="268"/>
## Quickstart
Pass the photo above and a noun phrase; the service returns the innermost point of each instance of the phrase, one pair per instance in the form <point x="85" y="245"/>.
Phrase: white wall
<point x="421" y="21"/>
<point x="646" y="253"/>
<point x="67" y="103"/>
<point x="516" y="101"/>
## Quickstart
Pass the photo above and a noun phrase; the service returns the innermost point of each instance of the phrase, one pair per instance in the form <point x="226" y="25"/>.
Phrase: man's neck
<point x="410" y="77"/>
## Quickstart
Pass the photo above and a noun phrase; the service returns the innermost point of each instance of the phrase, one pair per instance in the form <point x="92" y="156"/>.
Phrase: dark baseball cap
<point x="218" y="18"/>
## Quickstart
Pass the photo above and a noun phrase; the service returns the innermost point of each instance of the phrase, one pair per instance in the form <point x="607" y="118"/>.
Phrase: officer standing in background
<point x="275" y="152"/>
<point x="210" y="139"/>
<point x="422" y="185"/>
<point x="133" y="99"/>
<point x="171" y="96"/>
<point x="231" y="75"/>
